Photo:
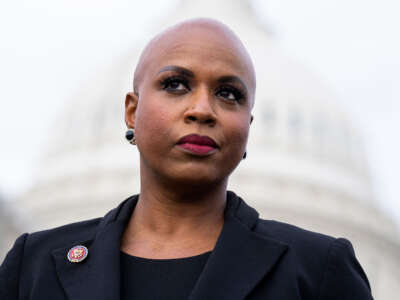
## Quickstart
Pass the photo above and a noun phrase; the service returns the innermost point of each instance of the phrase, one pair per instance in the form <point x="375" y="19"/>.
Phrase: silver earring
<point x="130" y="136"/>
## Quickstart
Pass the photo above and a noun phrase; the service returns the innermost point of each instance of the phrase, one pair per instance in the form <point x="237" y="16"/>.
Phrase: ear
<point x="131" y="101"/>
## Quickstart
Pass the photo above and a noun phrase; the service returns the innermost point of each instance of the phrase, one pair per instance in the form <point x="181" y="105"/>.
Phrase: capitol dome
<point x="305" y="157"/>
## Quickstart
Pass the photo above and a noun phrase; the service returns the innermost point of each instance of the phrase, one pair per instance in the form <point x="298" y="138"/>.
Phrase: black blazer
<point x="253" y="259"/>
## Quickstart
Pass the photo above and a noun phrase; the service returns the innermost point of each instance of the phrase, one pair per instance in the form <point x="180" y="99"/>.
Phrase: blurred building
<point x="8" y="228"/>
<point x="306" y="163"/>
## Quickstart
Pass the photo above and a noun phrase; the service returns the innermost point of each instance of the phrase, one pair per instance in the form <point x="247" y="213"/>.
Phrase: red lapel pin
<point x="77" y="254"/>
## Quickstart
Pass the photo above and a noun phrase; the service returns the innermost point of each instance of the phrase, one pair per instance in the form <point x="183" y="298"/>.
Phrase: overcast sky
<point x="48" y="46"/>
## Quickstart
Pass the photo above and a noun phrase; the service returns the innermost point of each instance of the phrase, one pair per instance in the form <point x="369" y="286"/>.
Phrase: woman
<point x="185" y="236"/>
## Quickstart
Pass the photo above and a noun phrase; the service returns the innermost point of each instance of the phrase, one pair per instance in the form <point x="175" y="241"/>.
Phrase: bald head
<point x="202" y="32"/>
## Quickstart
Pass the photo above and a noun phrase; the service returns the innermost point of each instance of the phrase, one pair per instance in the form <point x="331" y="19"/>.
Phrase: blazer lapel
<point x="98" y="276"/>
<point x="241" y="257"/>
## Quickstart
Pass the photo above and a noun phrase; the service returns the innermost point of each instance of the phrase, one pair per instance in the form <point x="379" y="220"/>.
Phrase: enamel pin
<point x="77" y="254"/>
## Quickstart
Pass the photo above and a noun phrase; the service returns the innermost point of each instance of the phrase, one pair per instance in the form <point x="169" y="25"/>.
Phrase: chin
<point x="196" y="177"/>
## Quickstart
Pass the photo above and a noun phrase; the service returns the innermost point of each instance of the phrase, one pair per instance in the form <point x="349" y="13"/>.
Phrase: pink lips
<point x="197" y="144"/>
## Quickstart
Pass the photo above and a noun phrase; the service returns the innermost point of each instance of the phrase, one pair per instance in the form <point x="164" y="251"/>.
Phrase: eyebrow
<point x="180" y="70"/>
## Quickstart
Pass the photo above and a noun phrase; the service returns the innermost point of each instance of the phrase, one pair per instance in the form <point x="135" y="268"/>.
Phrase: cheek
<point x="152" y="122"/>
<point x="238" y="133"/>
<point x="236" y="138"/>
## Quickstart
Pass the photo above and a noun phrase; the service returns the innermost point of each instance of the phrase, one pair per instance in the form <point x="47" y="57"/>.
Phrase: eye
<point x="229" y="93"/>
<point x="174" y="84"/>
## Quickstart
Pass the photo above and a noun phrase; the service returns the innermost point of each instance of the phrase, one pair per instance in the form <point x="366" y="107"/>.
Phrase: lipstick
<point x="196" y="144"/>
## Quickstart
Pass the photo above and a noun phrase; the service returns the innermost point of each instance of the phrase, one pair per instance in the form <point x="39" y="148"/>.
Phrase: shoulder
<point x="33" y="249"/>
<point x="296" y="237"/>
<point x="307" y="250"/>
<point x="330" y="261"/>
<point x="42" y="242"/>
<point x="31" y="254"/>
<point x="73" y="233"/>
<point x="311" y="249"/>
<point x="62" y="235"/>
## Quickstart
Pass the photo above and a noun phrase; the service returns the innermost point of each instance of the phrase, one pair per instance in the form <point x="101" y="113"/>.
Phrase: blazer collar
<point x="240" y="259"/>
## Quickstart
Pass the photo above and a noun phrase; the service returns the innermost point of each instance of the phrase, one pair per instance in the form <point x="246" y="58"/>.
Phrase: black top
<point x="144" y="278"/>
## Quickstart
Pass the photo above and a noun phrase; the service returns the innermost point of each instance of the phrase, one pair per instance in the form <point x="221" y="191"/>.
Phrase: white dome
<point x="305" y="165"/>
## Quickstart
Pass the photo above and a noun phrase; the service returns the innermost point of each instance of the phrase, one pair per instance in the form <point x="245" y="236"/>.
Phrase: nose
<point x="201" y="109"/>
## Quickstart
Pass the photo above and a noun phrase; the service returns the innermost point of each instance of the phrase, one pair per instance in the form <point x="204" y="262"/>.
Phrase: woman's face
<point x="193" y="109"/>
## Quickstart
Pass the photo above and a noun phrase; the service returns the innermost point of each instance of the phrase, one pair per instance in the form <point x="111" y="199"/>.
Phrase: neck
<point x="171" y="216"/>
